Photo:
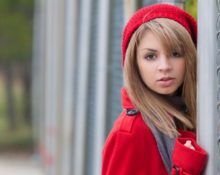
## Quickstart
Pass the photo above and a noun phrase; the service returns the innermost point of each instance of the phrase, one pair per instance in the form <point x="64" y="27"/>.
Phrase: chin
<point x="167" y="92"/>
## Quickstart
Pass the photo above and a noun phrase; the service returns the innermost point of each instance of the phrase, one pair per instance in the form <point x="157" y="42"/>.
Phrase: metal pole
<point x="69" y="69"/>
<point x="208" y="66"/>
<point x="101" y="83"/>
<point x="80" y="118"/>
<point x="38" y="75"/>
<point x="130" y="6"/>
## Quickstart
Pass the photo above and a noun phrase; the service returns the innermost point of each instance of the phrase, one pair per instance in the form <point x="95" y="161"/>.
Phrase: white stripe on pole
<point x="103" y="47"/>
<point x="58" y="51"/>
<point x="80" y="118"/>
<point x="53" y="81"/>
<point x="49" y="81"/>
<point x="68" y="106"/>
<point x="130" y="6"/>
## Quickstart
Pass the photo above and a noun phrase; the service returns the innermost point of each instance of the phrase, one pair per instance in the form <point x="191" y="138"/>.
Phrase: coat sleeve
<point x="187" y="161"/>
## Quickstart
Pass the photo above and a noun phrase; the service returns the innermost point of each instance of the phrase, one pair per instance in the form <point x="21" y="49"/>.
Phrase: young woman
<point x="154" y="133"/>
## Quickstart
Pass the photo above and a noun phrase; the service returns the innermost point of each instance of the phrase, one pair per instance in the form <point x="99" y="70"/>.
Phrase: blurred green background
<point x="191" y="7"/>
<point x="15" y="75"/>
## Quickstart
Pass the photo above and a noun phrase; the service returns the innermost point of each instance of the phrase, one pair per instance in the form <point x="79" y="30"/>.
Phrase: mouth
<point x="166" y="81"/>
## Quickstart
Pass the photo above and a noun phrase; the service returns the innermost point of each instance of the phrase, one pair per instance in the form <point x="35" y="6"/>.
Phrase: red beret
<point x="148" y="13"/>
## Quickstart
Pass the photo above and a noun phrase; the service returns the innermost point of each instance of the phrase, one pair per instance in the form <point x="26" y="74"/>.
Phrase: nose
<point x="164" y="64"/>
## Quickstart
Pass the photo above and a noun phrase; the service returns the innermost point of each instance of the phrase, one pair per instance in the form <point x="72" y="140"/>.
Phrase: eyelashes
<point x="150" y="56"/>
<point x="176" y="54"/>
<point x="154" y="55"/>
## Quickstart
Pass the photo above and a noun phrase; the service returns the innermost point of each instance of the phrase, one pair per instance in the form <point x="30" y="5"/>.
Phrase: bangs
<point x="172" y="35"/>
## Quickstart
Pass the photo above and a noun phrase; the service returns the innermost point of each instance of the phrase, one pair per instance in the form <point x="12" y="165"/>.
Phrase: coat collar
<point x="126" y="102"/>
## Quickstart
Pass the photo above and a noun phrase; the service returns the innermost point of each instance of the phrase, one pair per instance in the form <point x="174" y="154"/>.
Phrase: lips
<point x="166" y="81"/>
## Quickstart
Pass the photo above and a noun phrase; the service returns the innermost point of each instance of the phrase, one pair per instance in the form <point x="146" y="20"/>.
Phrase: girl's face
<point x="162" y="72"/>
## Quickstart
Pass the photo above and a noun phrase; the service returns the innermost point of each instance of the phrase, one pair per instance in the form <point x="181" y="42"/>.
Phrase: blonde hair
<point x="152" y="105"/>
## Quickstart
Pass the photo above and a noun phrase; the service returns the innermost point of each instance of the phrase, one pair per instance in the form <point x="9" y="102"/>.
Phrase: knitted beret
<point x="148" y="13"/>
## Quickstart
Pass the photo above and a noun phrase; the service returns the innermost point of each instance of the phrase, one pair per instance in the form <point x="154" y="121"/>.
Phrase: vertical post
<point x="49" y="90"/>
<point x="53" y="82"/>
<point x="80" y="118"/>
<point x="102" y="63"/>
<point x="130" y="6"/>
<point x="38" y="74"/>
<point x="208" y="66"/>
<point x="69" y="87"/>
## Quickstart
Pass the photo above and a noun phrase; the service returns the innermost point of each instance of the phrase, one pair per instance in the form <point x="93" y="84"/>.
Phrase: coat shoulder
<point x="131" y="124"/>
<point x="129" y="147"/>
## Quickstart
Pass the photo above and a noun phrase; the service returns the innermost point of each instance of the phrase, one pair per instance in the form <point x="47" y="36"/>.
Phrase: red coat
<point x="131" y="149"/>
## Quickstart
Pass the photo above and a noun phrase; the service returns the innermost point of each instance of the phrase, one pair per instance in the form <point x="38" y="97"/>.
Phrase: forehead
<point x="149" y="39"/>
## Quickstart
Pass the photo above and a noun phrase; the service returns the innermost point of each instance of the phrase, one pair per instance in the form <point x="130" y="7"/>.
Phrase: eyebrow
<point x="149" y="49"/>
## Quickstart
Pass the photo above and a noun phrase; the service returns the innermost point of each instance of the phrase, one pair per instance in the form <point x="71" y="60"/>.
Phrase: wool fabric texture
<point x="149" y="13"/>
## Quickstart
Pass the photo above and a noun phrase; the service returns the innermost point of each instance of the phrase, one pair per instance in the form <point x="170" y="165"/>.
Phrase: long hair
<point x="153" y="106"/>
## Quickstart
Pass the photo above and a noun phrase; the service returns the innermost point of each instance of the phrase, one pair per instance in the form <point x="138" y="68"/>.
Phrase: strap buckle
<point x="132" y="112"/>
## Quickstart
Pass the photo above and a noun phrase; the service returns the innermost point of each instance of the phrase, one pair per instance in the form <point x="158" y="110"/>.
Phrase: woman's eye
<point x="150" y="56"/>
<point x="176" y="54"/>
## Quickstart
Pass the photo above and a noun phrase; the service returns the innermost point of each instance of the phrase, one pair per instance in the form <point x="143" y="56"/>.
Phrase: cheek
<point x="147" y="73"/>
<point x="143" y="69"/>
<point x="181" y="69"/>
